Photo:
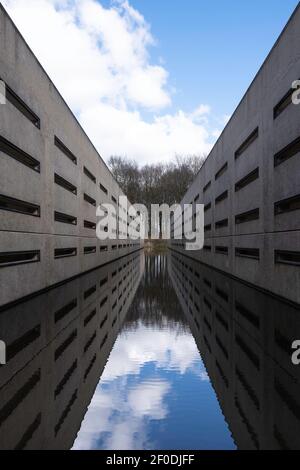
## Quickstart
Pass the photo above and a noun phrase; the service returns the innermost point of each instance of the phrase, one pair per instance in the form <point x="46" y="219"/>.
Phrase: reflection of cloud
<point x="147" y="399"/>
<point x="204" y="376"/>
<point x="123" y="436"/>
<point x="167" y="349"/>
<point x="119" y="414"/>
<point x="128" y="398"/>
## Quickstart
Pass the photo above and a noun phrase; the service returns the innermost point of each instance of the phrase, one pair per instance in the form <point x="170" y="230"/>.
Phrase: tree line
<point x="156" y="183"/>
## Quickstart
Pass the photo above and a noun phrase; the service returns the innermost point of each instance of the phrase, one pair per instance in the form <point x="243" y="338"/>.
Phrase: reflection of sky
<point x="154" y="394"/>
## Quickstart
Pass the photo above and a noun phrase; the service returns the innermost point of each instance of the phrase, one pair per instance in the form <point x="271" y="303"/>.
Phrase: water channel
<point x="150" y="352"/>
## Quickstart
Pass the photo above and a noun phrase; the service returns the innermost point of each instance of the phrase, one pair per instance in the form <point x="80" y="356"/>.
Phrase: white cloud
<point x="226" y="118"/>
<point x="99" y="59"/>
<point x="122" y="132"/>
<point x="216" y="133"/>
<point x="200" y="113"/>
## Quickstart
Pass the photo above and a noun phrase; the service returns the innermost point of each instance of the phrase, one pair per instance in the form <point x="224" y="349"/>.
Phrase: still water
<point x="155" y="392"/>
<point x="155" y="352"/>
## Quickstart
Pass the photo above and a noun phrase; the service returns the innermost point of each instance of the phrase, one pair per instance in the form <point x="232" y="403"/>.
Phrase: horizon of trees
<point x="155" y="183"/>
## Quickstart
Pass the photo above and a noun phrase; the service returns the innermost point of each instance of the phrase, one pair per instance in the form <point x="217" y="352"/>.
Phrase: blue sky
<point x="151" y="79"/>
<point x="213" y="49"/>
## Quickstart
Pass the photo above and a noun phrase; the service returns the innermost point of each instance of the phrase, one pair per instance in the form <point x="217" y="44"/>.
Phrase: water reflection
<point x="57" y="347"/>
<point x="154" y="392"/>
<point x="245" y="339"/>
<point x="150" y="353"/>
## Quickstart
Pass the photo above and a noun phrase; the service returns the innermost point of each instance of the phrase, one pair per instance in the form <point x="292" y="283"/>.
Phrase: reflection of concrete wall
<point x="58" y="345"/>
<point x="257" y="213"/>
<point x="30" y="192"/>
<point x="244" y="338"/>
<point x="2" y="353"/>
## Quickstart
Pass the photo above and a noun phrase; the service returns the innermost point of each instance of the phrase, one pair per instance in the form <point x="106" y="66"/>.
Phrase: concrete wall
<point x="244" y="338"/>
<point x="31" y="188"/>
<point x="57" y="346"/>
<point x="252" y="228"/>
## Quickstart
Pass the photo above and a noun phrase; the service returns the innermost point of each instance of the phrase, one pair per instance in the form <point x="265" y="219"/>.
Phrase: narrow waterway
<point x="150" y="352"/>
<point x="155" y="392"/>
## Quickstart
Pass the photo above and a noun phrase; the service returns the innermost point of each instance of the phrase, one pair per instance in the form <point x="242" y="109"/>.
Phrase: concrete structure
<point x="244" y="338"/>
<point x="51" y="180"/>
<point x="250" y="183"/>
<point x="57" y="346"/>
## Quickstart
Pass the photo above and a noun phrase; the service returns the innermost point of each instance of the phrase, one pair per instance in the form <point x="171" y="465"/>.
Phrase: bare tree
<point x="156" y="183"/>
<point x="127" y="174"/>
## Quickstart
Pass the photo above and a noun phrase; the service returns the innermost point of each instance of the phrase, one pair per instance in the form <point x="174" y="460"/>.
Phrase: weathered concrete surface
<point x="22" y="73"/>
<point x="269" y="230"/>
